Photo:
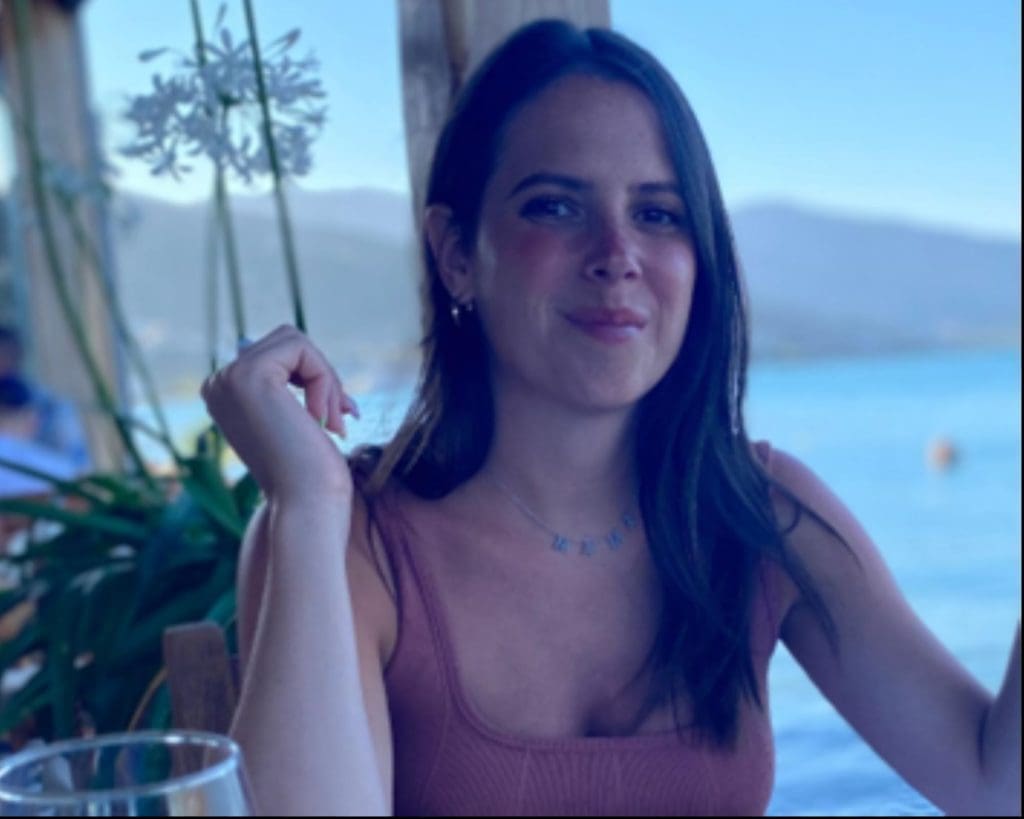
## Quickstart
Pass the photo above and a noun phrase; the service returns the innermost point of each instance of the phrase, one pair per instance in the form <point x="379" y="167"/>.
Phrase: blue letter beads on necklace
<point x="587" y="546"/>
<point x="615" y="538"/>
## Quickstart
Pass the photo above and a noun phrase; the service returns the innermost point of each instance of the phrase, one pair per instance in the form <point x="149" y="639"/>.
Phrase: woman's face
<point x="583" y="269"/>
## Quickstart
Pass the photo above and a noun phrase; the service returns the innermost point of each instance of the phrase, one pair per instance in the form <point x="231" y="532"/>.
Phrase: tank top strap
<point x="419" y="627"/>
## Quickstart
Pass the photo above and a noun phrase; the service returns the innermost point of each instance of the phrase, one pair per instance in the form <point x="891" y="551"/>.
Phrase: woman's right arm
<point x="312" y="668"/>
<point x="312" y="717"/>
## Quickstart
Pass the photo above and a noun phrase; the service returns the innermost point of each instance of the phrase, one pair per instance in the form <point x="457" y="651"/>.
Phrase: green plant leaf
<point x="108" y="612"/>
<point x="105" y="590"/>
<point x="167" y="539"/>
<point x="150" y="432"/>
<point x="10" y="598"/>
<point x="247" y="495"/>
<point x="157" y="716"/>
<point x="68" y="544"/>
<point x="107" y="524"/>
<point x="223" y="610"/>
<point x="180" y="609"/>
<point x="206" y="484"/>
<point x="112" y="694"/>
<point x="24" y="702"/>
<point x="121" y="489"/>
<point x="57" y="613"/>
<point x="63" y="487"/>
<point x="27" y="640"/>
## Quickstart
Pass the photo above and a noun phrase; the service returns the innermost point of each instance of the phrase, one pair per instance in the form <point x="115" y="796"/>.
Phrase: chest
<point x="518" y="693"/>
<point x="562" y="654"/>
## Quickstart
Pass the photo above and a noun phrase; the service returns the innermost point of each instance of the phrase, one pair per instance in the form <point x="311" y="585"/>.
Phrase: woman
<point x="558" y="588"/>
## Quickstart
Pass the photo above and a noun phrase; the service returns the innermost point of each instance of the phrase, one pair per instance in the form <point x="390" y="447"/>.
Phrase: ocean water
<point x="951" y="538"/>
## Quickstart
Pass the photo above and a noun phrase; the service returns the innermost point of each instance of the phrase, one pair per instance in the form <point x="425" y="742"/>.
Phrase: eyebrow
<point x="660" y="187"/>
<point x="562" y="181"/>
<point x="575" y="184"/>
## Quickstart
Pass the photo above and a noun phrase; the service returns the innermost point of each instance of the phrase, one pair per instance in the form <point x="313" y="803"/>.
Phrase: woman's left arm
<point x="890" y="678"/>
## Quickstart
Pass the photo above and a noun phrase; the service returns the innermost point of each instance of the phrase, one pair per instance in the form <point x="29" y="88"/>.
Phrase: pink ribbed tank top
<point x="448" y="761"/>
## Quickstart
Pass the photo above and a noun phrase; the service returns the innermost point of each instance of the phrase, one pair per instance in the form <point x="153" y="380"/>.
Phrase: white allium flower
<point x="213" y="110"/>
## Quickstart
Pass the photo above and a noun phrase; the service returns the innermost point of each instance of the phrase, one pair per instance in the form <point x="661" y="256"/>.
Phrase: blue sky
<point x="900" y="108"/>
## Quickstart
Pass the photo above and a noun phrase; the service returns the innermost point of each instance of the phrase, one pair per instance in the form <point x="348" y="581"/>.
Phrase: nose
<point x="613" y="253"/>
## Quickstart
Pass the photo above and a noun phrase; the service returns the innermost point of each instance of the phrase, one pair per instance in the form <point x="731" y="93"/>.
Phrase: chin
<point x="604" y="401"/>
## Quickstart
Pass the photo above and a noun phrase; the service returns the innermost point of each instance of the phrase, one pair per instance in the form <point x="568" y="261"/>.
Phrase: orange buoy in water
<point x="942" y="454"/>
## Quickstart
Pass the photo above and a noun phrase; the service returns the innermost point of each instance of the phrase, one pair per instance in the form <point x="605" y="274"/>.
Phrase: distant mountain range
<point x="819" y="284"/>
<point x="822" y="283"/>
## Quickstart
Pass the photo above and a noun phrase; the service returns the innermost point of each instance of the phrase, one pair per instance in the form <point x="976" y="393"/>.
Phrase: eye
<point x="660" y="217"/>
<point x="550" y="208"/>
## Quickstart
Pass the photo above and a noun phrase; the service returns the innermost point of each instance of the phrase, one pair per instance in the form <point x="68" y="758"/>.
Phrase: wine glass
<point x="144" y="773"/>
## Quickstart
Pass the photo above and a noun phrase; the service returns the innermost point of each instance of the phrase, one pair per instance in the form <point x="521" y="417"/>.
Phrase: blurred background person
<point x="34" y="415"/>
<point x="20" y="425"/>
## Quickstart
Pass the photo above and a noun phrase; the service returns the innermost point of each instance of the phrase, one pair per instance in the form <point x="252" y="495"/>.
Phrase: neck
<point x="574" y="470"/>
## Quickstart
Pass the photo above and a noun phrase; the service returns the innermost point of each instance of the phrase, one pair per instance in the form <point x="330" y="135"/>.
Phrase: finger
<point x="329" y="421"/>
<point x="337" y="417"/>
<point x="300" y="363"/>
<point x="284" y="330"/>
<point x="318" y="399"/>
<point x="349" y="405"/>
<point x="304" y="365"/>
<point x="245" y="344"/>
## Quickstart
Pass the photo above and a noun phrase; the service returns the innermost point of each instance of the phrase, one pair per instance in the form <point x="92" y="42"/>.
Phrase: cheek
<point x="514" y="254"/>
<point x="674" y="291"/>
<point x="535" y="256"/>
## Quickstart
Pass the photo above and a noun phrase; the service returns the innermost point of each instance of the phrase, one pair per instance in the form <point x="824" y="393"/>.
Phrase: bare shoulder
<point x="819" y="529"/>
<point x="842" y="562"/>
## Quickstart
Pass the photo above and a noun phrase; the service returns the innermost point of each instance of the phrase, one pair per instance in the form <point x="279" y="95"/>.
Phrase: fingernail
<point x="352" y="406"/>
<point x="323" y="421"/>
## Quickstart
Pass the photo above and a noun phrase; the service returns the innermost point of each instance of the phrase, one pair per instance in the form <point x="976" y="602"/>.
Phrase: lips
<point x="608" y="325"/>
<point x="607" y="317"/>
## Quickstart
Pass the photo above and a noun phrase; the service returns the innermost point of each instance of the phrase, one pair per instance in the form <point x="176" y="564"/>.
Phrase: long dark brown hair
<point x="704" y="495"/>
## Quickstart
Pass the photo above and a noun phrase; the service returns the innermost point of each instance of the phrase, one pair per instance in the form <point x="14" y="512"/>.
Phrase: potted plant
<point x="110" y="560"/>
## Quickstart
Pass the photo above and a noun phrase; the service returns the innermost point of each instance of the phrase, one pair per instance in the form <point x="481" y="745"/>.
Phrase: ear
<point x="450" y="256"/>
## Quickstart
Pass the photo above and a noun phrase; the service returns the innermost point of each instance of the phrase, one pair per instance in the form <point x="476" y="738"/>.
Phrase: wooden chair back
<point x="202" y="677"/>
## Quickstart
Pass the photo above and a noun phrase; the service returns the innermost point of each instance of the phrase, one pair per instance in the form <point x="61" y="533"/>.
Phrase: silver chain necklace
<point x="585" y="545"/>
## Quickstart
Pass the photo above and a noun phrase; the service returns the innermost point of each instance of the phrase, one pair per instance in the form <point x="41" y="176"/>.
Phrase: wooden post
<point x="66" y="137"/>
<point x="442" y="41"/>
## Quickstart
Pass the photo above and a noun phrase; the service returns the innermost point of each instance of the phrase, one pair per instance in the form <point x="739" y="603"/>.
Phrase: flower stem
<point x="221" y="198"/>
<point x="213" y="306"/>
<point x="124" y="332"/>
<point x="230" y="251"/>
<point x="283" y="218"/>
<point x="212" y="288"/>
<point x="46" y="229"/>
